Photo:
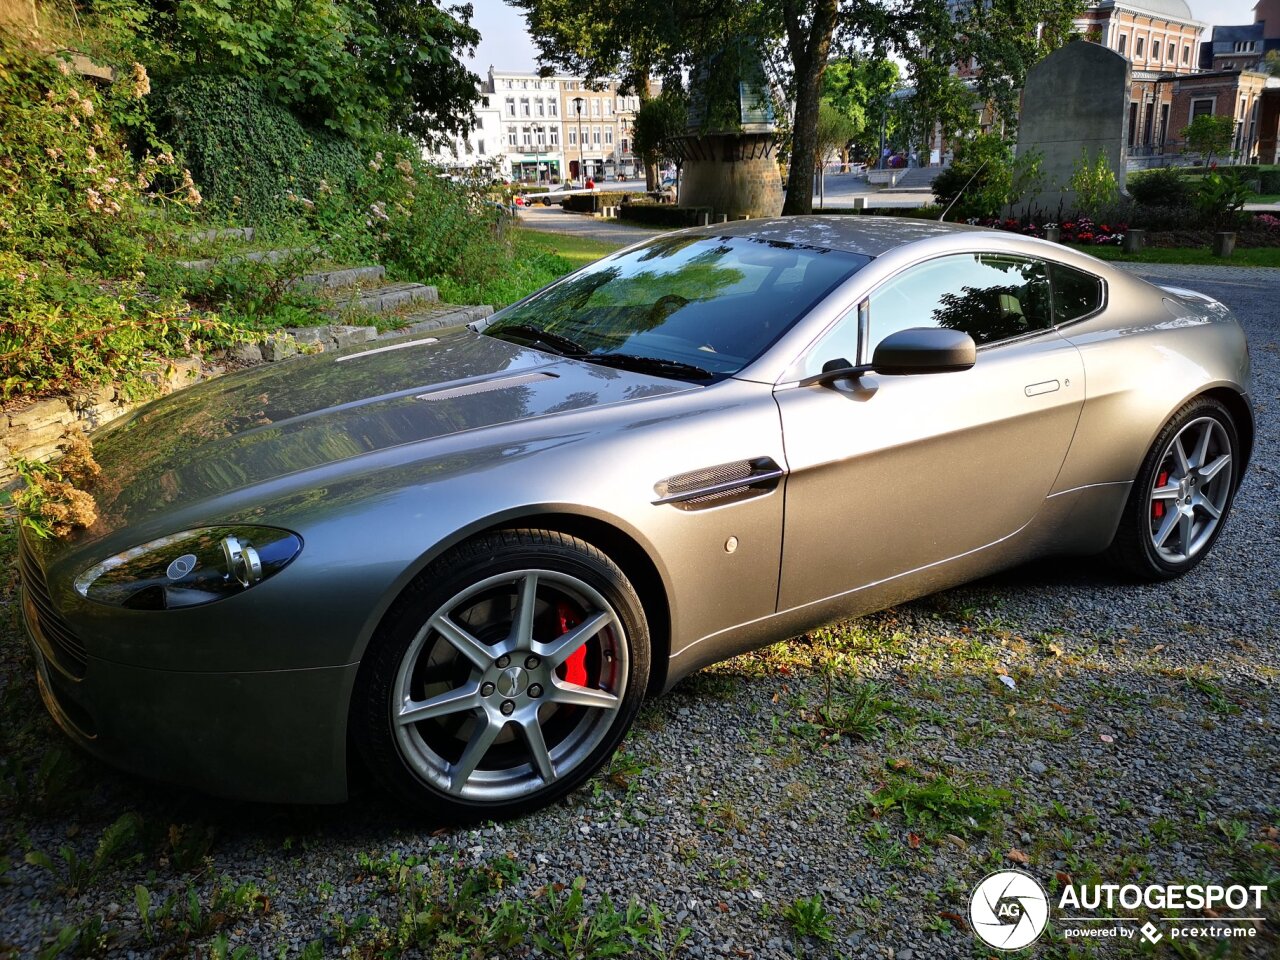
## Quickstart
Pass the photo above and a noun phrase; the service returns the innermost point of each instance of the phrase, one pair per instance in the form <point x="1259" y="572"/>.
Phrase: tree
<point x="357" y="66"/>
<point x="658" y="122"/>
<point x="1207" y="135"/>
<point x="859" y="87"/>
<point x="1006" y="38"/>
<point x="835" y="130"/>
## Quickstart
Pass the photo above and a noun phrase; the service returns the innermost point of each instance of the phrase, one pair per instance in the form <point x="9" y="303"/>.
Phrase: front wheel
<point x="1182" y="495"/>
<point x="503" y="677"/>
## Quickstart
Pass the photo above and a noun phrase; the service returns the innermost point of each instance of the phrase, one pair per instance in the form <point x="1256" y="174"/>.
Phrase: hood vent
<point x="485" y="386"/>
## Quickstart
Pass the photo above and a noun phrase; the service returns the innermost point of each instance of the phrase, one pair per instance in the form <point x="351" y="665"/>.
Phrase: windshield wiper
<point x="557" y="344"/>
<point x="654" y="365"/>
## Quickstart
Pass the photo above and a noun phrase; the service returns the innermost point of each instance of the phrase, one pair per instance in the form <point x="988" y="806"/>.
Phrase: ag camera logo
<point x="1009" y="910"/>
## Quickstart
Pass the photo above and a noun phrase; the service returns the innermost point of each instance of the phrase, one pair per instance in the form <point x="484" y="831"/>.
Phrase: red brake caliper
<point x="574" y="670"/>
<point x="1157" y="506"/>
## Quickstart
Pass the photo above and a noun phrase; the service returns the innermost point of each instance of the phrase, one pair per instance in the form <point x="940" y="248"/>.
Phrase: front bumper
<point x="275" y="736"/>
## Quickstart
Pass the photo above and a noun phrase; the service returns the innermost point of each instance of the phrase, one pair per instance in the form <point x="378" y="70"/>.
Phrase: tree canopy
<point x="356" y="66"/>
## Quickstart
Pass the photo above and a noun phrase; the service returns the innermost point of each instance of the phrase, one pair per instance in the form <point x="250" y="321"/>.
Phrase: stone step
<point x="253" y="256"/>
<point x="386" y="298"/>
<point x="437" y="320"/>
<point x="342" y="277"/>
<point x="244" y="234"/>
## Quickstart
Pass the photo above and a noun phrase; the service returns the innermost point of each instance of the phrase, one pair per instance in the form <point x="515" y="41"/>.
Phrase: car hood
<point x="308" y="413"/>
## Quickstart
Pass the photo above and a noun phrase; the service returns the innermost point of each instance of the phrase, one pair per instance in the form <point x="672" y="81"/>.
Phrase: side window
<point x="989" y="296"/>
<point x="840" y="343"/>
<point x="1076" y="294"/>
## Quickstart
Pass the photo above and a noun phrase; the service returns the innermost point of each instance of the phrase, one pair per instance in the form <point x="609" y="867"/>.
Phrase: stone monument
<point x="728" y="157"/>
<point x="1073" y="104"/>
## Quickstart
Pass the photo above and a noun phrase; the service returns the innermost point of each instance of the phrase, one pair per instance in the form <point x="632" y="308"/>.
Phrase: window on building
<point x="1202" y="108"/>
<point x="554" y="107"/>
<point x="595" y="136"/>
<point x="573" y="137"/>
<point x="1133" y="122"/>
<point x="625" y="145"/>
<point x="542" y="108"/>
<point x="1171" y="50"/>
<point x="511" y="136"/>
<point x="595" y="107"/>
<point x="541" y="137"/>
<point x="1164" y="123"/>
<point x="524" y="108"/>
<point x="511" y="107"/>
<point x="608" y="135"/>
<point x="608" y="107"/>
<point x="1139" y="44"/>
<point x="555" y="136"/>
<point x="1155" y="49"/>
<point x="1186" y="55"/>
<point x="1122" y="43"/>
<point x="526" y="137"/>
<point x="480" y="147"/>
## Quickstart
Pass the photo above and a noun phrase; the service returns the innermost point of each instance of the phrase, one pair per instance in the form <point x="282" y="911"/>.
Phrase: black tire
<point x="373" y="728"/>
<point x="1132" y="551"/>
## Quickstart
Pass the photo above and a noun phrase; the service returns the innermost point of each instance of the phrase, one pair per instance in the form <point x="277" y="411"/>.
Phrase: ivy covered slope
<point x="303" y="120"/>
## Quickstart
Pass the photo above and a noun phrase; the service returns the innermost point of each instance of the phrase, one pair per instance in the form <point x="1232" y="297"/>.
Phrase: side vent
<point x="714" y="486"/>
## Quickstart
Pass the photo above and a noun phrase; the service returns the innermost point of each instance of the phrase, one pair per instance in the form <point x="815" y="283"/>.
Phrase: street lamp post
<point x="582" y="162"/>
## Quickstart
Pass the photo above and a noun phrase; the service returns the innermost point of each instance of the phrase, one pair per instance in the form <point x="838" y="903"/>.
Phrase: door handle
<point x="1045" y="386"/>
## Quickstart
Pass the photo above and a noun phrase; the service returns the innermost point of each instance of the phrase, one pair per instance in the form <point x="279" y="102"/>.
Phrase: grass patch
<point x="939" y="803"/>
<point x="1243" y="256"/>
<point x="579" y="251"/>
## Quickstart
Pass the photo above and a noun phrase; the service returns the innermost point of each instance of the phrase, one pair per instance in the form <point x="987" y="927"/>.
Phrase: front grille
<point x="60" y="644"/>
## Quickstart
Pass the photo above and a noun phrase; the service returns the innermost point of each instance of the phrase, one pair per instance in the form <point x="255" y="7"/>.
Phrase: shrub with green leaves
<point x="1094" y="184"/>
<point x="985" y="178"/>
<point x="1165" y="187"/>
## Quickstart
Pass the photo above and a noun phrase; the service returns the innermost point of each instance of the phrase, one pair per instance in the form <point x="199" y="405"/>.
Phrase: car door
<point x="891" y="474"/>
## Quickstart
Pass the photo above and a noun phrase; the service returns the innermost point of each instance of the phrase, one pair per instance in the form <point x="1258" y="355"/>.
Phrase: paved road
<point x="558" y="220"/>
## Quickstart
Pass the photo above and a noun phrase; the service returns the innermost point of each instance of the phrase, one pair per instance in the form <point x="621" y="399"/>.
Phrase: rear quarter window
<point x="1076" y="294"/>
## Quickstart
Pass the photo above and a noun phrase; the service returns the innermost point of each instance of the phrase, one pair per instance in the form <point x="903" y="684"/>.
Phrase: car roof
<point x="867" y="235"/>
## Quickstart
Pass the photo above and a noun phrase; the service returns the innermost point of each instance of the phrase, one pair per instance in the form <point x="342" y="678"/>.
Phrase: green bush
<point x="1269" y="180"/>
<point x="985" y="178"/>
<point x="660" y="214"/>
<point x="1160" y="188"/>
<point x="248" y="153"/>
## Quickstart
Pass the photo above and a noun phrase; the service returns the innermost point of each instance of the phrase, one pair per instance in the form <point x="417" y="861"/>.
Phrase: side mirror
<point x="915" y="350"/>
<point x="924" y="350"/>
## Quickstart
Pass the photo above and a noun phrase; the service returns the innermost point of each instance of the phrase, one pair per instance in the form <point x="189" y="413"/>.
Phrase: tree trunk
<point x="809" y="51"/>
<point x="645" y="91"/>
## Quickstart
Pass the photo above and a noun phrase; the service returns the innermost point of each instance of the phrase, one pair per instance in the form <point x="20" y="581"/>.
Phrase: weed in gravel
<point x="939" y="804"/>
<point x="567" y="929"/>
<point x="856" y="714"/>
<point x="76" y="873"/>
<point x="809" y="917"/>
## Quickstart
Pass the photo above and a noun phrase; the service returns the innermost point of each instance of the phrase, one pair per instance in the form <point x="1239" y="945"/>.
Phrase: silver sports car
<point x="465" y="559"/>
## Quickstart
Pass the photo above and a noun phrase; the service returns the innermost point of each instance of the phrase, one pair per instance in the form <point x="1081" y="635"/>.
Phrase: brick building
<point x="1161" y="41"/>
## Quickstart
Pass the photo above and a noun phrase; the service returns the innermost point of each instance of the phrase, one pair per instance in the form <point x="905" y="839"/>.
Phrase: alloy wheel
<point x="509" y="685"/>
<point x="1190" y="490"/>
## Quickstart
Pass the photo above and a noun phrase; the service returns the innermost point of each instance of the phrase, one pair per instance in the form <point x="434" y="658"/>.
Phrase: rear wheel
<point x="503" y="677"/>
<point x="1182" y="495"/>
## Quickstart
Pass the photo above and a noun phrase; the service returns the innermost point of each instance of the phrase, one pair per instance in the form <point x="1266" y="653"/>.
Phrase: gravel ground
<point x="1068" y="723"/>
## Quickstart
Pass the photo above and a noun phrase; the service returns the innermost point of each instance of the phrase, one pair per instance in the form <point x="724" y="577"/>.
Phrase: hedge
<point x="661" y="214"/>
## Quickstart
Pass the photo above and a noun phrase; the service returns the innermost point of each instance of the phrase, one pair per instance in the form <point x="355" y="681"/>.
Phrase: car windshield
<point x="691" y="307"/>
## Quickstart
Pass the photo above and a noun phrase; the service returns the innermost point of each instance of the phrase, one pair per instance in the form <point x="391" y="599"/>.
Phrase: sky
<point x="505" y="43"/>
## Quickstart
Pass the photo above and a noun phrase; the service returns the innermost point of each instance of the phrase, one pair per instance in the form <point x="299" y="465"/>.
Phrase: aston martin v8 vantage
<point x="466" y="558"/>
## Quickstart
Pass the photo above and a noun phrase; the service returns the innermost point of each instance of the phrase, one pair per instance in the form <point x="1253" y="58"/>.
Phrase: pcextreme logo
<point x="1009" y="910"/>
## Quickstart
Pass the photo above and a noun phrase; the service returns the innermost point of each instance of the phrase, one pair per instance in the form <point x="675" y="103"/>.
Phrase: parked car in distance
<point x="462" y="561"/>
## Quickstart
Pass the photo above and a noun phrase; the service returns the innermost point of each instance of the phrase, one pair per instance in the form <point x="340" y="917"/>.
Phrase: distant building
<point x="483" y="149"/>
<point x="1244" y="47"/>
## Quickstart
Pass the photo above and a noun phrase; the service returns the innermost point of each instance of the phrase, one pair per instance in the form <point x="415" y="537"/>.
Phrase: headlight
<point x="189" y="568"/>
